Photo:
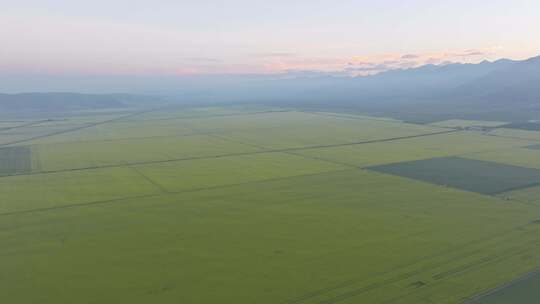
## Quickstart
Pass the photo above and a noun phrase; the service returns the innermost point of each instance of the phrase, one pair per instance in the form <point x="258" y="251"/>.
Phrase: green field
<point x="533" y="126"/>
<point x="528" y="195"/>
<point x="523" y="157"/>
<point x="14" y="160"/>
<point x="258" y="205"/>
<point x="517" y="133"/>
<point x="522" y="291"/>
<point x="461" y="123"/>
<point x="467" y="174"/>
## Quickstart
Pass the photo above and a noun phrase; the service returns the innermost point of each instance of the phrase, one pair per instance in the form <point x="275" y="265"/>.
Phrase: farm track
<point x="344" y="116"/>
<point x="122" y="120"/>
<point x="455" y="256"/>
<point x="288" y="152"/>
<point x="285" y="150"/>
<point x="23" y="126"/>
<point x="508" y="254"/>
<point x="324" y="160"/>
<point x="120" y="139"/>
<point x="67" y="206"/>
<point x="149" y="180"/>
<point x="86" y="126"/>
<point x="211" y="116"/>
<point x="121" y="199"/>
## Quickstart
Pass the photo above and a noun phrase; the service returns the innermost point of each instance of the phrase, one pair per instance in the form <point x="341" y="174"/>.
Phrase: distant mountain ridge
<point x="504" y="89"/>
<point x="518" y="83"/>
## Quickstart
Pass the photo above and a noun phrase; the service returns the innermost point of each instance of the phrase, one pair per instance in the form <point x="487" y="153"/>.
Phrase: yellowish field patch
<point x="462" y="123"/>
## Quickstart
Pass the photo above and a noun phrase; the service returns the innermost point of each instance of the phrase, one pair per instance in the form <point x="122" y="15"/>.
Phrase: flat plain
<point x="264" y="205"/>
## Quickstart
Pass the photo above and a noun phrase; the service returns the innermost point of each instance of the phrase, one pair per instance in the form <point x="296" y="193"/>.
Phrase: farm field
<point x="517" y="133"/>
<point x="15" y="160"/>
<point x="523" y="291"/>
<point x="528" y="195"/>
<point x="266" y="205"/>
<point x="461" y="123"/>
<point x="467" y="174"/>
<point x="519" y="156"/>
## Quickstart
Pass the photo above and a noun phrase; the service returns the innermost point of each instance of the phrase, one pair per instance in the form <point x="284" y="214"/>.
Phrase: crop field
<point x="268" y="206"/>
<point x="451" y="143"/>
<point x="15" y="160"/>
<point x="533" y="126"/>
<point x="524" y="157"/>
<point x="517" y="133"/>
<point x="467" y="174"/>
<point x="523" y="291"/>
<point x="529" y="195"/>
<point x="461" y="123"/>
<point x="84" y="154"/>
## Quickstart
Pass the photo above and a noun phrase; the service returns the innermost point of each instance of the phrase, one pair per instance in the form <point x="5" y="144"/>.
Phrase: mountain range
<point x="504" y="90"/>
<point x="501" y="90"/>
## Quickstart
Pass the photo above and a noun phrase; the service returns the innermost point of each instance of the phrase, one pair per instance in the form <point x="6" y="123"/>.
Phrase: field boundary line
<point x="369" y="118"/>
<point x="148" y="179"/>
<point x="82" y="204"/>
<point x="215" y="115"/>
<point x="238" y="154"/>
<point x="120" y="139"/>
<point x="86" y="126"/>
<point x="287" y="152"/>
<point x="23" y="125"/>
<point x="201" y="189"/>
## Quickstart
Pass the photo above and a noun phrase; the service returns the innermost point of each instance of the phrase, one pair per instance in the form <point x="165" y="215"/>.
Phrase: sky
<point x="167" y="38"/>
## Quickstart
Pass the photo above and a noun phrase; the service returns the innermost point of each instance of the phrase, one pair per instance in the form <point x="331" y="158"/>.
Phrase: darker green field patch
<point x="534" y="147"/>
<point x="467" y="174"/>
<point x="15" y="160"/>
<point x="522" y="291"/>
<point x="530" y="126"/>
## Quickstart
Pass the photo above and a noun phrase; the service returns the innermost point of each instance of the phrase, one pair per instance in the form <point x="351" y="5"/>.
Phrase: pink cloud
<point x="371" y="64"/>
<point x="366" y="65"/>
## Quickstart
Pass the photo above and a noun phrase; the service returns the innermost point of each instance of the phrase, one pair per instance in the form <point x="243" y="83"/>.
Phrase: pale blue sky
<point x="164" y="37"/>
